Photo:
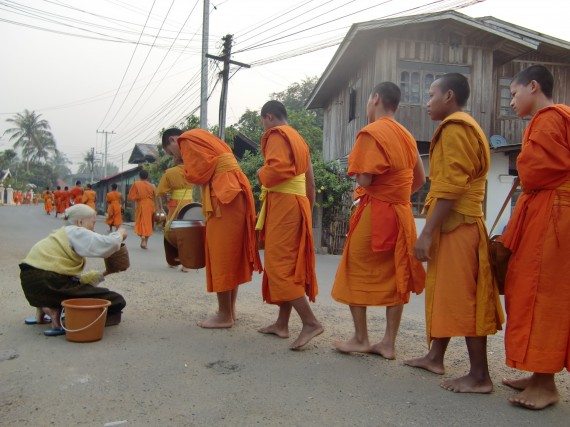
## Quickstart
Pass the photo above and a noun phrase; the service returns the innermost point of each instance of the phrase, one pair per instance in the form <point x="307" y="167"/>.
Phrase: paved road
<point x="159" y="369"/>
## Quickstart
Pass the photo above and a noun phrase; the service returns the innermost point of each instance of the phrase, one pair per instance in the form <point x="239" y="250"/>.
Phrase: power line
<point x="128" y="66"/>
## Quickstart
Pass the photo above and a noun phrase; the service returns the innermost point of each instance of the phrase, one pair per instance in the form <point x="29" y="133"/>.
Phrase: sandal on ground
<point x="54" y="332"/>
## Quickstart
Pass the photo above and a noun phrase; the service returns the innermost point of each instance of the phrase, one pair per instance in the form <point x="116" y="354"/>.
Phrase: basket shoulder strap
<point x="507" y="200"/>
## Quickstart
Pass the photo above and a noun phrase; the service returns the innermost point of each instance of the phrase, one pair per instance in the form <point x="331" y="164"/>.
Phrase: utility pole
<point x="204" y="80"/>
<point x="105" y="155"/>
<point x="226" y="55"/>
<point x="92" y="161"/>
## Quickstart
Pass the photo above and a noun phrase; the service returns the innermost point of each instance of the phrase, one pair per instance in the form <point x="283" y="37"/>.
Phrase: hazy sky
<point x="132" y="66"/>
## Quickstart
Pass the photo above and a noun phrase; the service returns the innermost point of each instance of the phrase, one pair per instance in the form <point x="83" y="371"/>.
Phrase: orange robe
<point x="378" y="266"/>
<point x="289" y="252"/>
<point x="537" y="287"/>
<point x="231" y="246"/>
<point x="76" y="194"/>
<point x="89" y="197"/>
<point x="174" y="183"/>
<point x="56" y="200"/>
<point x="143" y="193"/>
<point x="48" y="203"/>
<point x="114" y="216"/>
<point x="64" y="197"/>
<point x="59" y="197"/>
<point x="462" y="298"/>
<point x="36" y="198"/>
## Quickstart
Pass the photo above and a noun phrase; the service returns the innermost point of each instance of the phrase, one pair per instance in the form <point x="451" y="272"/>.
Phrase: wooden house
<point x="412" y="52"/>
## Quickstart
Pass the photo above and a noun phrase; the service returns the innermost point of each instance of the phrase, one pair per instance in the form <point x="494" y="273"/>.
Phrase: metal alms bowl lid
<point x="191" y="212"/>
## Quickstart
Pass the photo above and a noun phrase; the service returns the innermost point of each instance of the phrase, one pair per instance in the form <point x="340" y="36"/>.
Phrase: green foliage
<point x="250" y="125"/>
<point x="250" y="164"/>
<point x="8" y="159"/>
<point x="296" y="96"/>
<point x="32" y="135"/>
<point x="305" y="123"/>
<point x="331" y="182"/>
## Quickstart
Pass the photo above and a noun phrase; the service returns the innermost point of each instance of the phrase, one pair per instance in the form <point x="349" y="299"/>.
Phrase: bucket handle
<point x="85" y="327"/>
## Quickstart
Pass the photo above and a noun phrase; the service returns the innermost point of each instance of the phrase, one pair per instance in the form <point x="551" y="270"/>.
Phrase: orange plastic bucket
<point x="84" y="318"/>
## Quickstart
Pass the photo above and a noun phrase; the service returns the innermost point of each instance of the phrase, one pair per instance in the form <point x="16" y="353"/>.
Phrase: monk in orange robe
<point x="378" y="267"/>
<point x="58" y="201"/>
<point x="285" y="224"/>
<point x="48" y="202"/>
<point x="65" y="198"/>
<point x="44" y="194"/>
<point x="537" y="288"/>
<point x="462" y="297"/>
<point x="174" y="183"/>
<point x="144" y="194"/>
<point x="76" y="194"/>
<point x="36" y="198"/>
<point x="227" y="201"/>
<point x="89" y="197"/>
<point x="114" y="201"/>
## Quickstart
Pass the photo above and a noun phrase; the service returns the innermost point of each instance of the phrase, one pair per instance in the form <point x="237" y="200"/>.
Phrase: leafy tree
<point x="60" y="164"/>
<point x="8" y="159"/>
<point x="92" y="164"/>
<point x="32" y="135"/>
<point x="250" y="125"/>
<point x="249" y="164"/>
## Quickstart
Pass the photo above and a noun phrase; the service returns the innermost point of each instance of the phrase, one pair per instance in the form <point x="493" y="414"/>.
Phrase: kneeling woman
<point x="51" y="272"/>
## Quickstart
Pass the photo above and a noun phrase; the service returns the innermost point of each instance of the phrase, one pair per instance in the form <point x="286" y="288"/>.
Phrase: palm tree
<point x="32" y="135"/>
<point x="59" y="162"/>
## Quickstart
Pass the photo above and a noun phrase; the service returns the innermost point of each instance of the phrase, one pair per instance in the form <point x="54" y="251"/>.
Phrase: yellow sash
<point x="225" y="163"/>
<point x="295" y="185"/>
<point x="182" y="194"/>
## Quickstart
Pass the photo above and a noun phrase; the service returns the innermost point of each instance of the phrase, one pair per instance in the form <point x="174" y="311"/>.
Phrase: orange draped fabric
<point x="537" y="288"/>
<point x="143" y="193"/>
<point x="64" y="200"/>
<point x="467" y="298"/>
<point x="57" y="201"/>
<point x="288" y="234"/>
<point x="378" y="266"/>
<point x="114" y="216"/>
<point x="231" y="246"/>
<point x="76" y="195"/>
<point x="48" y="202"/>
<point x="89" y="197"/>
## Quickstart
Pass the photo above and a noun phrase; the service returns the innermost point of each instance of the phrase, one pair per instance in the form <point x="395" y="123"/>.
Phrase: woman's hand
<point x="122" y="232"/>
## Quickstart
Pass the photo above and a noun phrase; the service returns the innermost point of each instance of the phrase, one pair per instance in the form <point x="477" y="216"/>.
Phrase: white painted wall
<point x="498" y="185"/>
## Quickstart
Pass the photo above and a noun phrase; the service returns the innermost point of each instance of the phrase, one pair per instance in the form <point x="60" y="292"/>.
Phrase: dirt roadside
<point x="157" y="368"/>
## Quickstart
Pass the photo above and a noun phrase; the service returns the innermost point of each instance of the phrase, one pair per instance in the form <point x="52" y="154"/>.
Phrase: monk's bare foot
<point x="535" y="397"/>
<point x="274" y="329"/>
<point x="352" y="346"/>
<point x="468" y="384"/>
<point x="307" y="334"/>
<point x="184" y="269"/>
<point x="172" y="266"/>
<point x="216" y="321"/>
<point x="519" y="384"/>
<point x="427" y="364"/>
<point x="387" y="351"/>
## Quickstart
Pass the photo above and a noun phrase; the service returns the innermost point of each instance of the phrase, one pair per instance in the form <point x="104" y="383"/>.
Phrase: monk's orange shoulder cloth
<point x="386" y="150"/>
<point x="279" y="167"/>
